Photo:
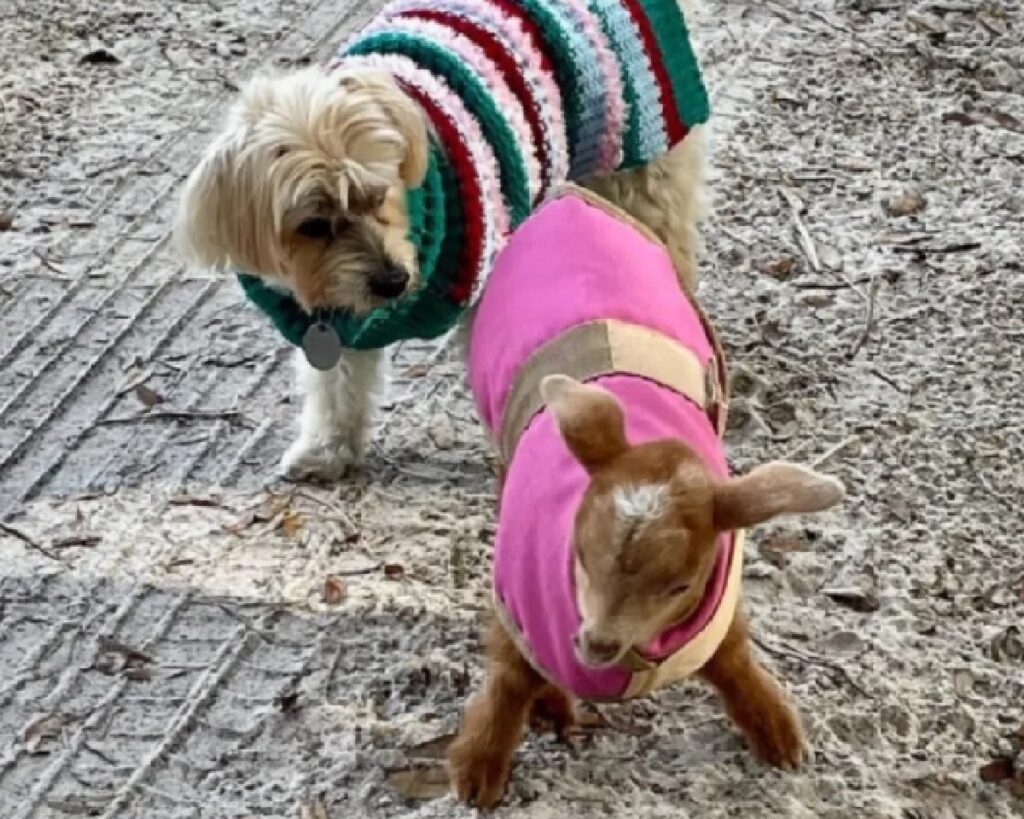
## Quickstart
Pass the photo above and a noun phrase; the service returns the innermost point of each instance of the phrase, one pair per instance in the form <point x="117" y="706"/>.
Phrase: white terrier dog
<point x="364" y="202"/>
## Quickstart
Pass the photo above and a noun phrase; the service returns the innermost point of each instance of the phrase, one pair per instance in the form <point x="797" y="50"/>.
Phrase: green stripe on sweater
<point x="677" y="55"/>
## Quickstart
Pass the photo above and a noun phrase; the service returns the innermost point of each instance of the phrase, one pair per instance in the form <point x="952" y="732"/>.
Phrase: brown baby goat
<point x="630" y="586"/>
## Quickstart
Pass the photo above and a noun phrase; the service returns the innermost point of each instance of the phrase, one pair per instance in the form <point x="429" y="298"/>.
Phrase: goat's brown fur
<point x="634" y="581"/>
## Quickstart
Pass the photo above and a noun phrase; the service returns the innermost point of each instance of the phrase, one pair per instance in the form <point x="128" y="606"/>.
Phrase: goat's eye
<point x="316" y="228"/>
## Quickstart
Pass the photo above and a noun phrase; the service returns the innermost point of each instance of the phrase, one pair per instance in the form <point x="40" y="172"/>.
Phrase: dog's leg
<point x="480" y="756"/>
<point x="754" y="701"/>
<point x="335" y="415"/>
<point x="667" y="195"/>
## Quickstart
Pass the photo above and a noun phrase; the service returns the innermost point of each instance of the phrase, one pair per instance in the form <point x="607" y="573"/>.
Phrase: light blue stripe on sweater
<point x="586" y="155"/>
<point x="651" y="133"/>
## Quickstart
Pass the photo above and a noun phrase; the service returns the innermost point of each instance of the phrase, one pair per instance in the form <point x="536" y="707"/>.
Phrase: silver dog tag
<point x="321" y="346"/>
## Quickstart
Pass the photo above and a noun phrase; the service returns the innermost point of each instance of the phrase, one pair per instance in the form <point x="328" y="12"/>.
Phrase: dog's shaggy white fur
<point x="305" y="187"/>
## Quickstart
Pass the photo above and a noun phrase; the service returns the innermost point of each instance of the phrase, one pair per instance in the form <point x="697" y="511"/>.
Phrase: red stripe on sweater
<point x="675" y="127"/>
<point x="471" y="254"/>
<point x="505" y="62"/>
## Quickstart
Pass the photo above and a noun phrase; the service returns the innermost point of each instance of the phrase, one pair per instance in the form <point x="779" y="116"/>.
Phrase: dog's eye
<point x="316" y="228"/>
<point x="678" y="589"/>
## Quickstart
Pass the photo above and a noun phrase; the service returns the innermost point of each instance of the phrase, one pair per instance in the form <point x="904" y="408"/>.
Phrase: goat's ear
<point x="770" y="490"/>
<point x="589" y="418"/>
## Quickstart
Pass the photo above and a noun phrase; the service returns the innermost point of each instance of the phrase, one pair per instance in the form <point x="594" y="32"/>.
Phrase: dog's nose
<point x="389" y="281"/>
<point x="596" y="650"/>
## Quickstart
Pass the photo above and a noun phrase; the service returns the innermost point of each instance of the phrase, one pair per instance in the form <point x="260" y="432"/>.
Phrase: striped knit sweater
<point x="522" y="95"/>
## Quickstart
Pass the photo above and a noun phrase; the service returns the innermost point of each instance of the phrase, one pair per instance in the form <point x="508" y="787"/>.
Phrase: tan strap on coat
<point x="598" y="348"/>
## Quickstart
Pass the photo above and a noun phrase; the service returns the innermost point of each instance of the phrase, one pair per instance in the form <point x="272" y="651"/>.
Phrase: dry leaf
<point x="147" y="396"/>
<point x="420" y="782"/>
<point x="779" y="268"/>
<point x="45" y="728"/>
<point x="990" y="119"/>
<point x="963" y="682"/>
<point x="333" y="591"/>
<point x="6" y="221"/>
<point x="829" y="255"/>
<point x="291" y="523"/>
<point x="393" y="571"/>
<point x="313" y="810"/>
<point x="137" y="673"/>
<point x="1008" y="645"/>
<point x="905" y="204"/>
<point x="131" y="655"/>
<point x="856" y="599"/>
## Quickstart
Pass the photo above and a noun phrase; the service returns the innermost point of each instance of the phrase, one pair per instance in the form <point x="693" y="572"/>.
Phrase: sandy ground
<point x="167" y="644"/>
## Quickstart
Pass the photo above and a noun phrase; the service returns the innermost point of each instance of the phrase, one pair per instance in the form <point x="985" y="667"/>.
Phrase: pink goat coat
<point x="570" y="263"/>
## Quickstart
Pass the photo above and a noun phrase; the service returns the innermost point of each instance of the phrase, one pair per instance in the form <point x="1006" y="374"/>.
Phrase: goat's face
<point x="646" y="528"/>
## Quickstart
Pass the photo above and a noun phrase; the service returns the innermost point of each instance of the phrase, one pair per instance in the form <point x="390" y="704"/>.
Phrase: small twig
<point x="823" y="459"/>
<point x="936" y="250"/>
<point x="844" y="285"/>
<point x="220" y="361"/>
<point x="803" y="234"/>
<point x="800" y="448"/>
<point x="71" y="541"/>
<point x="65" y="276"/>
<point x="17" y="534"/>
<point x="180" y="415"/>
<point x="877" y="373"/>
<point x="792" y="654"/>
<point x="869" y="318"/>
<point x="355" y="572"/>
<point x="197" y="500"/>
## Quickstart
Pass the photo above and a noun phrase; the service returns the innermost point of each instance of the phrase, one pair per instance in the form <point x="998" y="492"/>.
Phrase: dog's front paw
<point x="775" y="736"/>
<point x="478" y="774"/>
<point x="318" y="460"/>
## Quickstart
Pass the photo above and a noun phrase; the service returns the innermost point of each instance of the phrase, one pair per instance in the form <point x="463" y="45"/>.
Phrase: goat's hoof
<point x="477" y="777"/>
<point x="778" y="739"/>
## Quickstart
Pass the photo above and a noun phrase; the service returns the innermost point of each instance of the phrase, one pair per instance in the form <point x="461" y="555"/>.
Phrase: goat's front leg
<point x="553" y="711"/>
<point x="335" y="415"/>
<point x="492" y="727"/>
<point x="754" y="700"/>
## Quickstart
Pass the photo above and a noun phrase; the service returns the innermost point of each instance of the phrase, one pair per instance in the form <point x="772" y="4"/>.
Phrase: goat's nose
<point x="388" y="281"/>
<point x="597" y="649"/>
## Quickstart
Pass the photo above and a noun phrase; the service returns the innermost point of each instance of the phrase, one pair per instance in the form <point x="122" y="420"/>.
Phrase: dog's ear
<point x="208" y="226"/>
<point x="770" y="490"/>
<point x="405" y="115"/>
<point x="589" y="418"/>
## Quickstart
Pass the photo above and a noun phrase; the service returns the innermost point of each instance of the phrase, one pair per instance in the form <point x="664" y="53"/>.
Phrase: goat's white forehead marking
<point x="638" y="504"/>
